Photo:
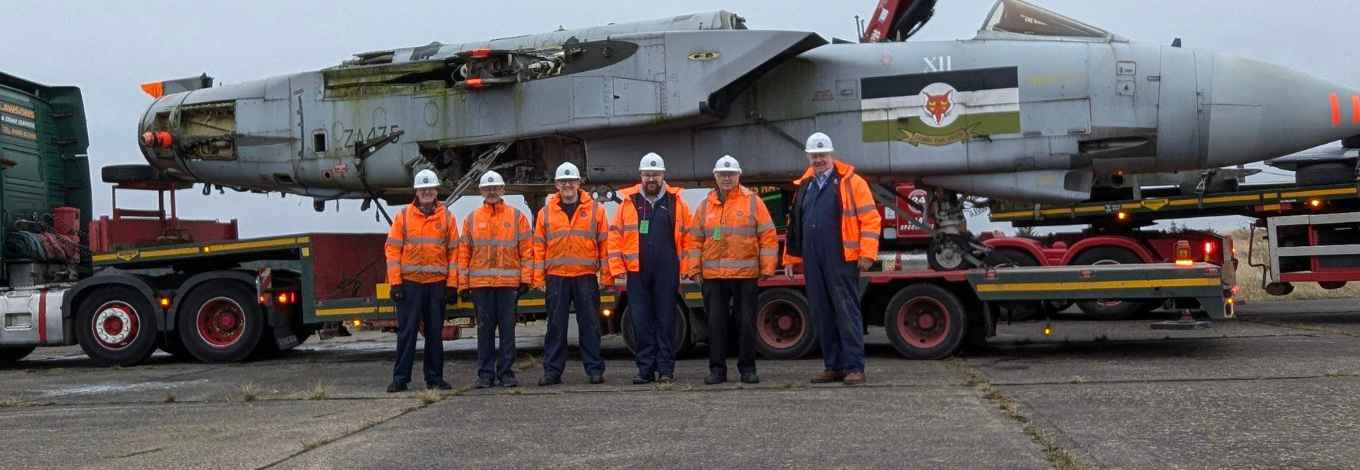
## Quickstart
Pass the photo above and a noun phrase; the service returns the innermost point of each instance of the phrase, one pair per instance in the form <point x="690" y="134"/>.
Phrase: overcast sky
<point x="107" y="48"/>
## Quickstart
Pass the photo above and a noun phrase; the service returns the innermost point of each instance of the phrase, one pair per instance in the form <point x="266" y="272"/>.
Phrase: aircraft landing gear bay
<point x="952" y="247"/>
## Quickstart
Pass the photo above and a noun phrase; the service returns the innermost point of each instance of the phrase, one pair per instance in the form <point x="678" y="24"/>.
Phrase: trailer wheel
<point x="1009" y="258"/>
<point x="116" y="326"/>
<point x="221" y="322"/>
<point x="1332" y="285"/>
<point x="681" y="339"/>
<point x="11" y="355"/>
<point x="925" y="321"/>
<point x="1109" y="309"/>
<point x="784" y="325"/>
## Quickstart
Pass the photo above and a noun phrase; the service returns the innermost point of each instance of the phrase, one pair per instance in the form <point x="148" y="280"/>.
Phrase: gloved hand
<point x="397" y="293"/>
<point x="523" y="288"/>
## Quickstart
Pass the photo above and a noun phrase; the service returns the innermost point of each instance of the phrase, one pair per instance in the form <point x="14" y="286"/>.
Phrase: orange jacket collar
<point x="415" y="210"/>
<point x="741" y="190"/>
<point x="582" y="197"/>
<point x="842" y="169"/>
<point x="637" y="188"/>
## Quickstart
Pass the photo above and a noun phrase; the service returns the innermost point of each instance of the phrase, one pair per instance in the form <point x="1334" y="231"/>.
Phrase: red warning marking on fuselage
<point x="1355" y="110"/>
<point x="1336" y="110"/>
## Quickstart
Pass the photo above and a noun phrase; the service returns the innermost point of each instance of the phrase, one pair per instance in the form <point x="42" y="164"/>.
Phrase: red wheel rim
<point x="780" y="324"/>
<point x="115" y="325"/>
<point x="221" y="322"/>
<point x="923" y="322"/>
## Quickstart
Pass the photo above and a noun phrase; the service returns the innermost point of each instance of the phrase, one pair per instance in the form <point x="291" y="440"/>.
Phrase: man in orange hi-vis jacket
<point x="646" y="241"/>
<point x="496" y="253"/>
<point x="833" y="231"/>
<point x="731" y="244"/>
<point x="421" y="267"/>
<point x="570" y="254"/>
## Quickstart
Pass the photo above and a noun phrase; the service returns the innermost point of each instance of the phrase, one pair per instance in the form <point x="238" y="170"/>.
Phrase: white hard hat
<point x="652" y="162"/>
<point x="426" y="179"/>
<point x="567" y="171"/>
<point x="819" y="143"/>
<point x="491" y="179"/>
<point x="727" y="163"/>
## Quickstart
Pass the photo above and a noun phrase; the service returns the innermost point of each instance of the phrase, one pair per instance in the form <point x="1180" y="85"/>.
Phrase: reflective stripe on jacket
<point x="422" y="248"/>
<point x="497" y="248"/>
<point x="570" y="246"/>
<point x="623" y="231"/>
<point x="732" y="239"/>
<point x="860" y="223"/>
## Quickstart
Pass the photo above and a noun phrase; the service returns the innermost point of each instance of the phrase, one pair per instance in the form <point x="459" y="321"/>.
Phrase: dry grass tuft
<point x="1249" y="278"/>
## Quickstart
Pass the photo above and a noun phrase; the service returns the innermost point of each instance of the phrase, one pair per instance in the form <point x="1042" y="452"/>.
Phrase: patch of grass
<point x="249" y="392"/>
<point x="319" y="391"/>
<point x="512" y="391"/>
<point x="527" y="361"/>
<point x="1249" y="278"/>
<point x="12" y="402"/>
<point x="1057" y="457"/>
<point x="429" y="397"/>
<point x="168" y="398"/>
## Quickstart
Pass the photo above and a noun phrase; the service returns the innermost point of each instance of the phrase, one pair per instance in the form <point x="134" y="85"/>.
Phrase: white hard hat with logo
<point x="727" y="164"/>
<point x="652" y="162"/>
<point x="567" y="171"/>
<point x="426" y="179"/>
<point x="491" y="179"/>
<point x="819" y="143"/>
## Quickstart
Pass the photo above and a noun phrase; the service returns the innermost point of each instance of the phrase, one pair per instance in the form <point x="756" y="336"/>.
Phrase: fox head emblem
<point x="938" y="106"/>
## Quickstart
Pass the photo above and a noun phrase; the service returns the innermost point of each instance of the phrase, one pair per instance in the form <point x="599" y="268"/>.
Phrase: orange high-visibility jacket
<point x="421" y="248"/>
<point x="623" y="231"/>
<point x="860" y="223"/>
<point x="497" y="248"/>
<point x="732" y="239"/>
<point x="570" y="247"/>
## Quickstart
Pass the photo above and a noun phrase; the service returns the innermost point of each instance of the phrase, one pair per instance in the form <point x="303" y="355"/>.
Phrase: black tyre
<point x="1108" y="309"/>
<point x="9" y="355"/>
<point x="1009" y="258"/>
<point x="116" y="326"/>
<point x="128" y="173"/>
<point x="681" y="338"/>
<point x="784" y="325"/>
<point x="1324" y="173"/>
<point x="171" y="344"/>
<point x="220" y="322"/>
<point x="925" y="321"/>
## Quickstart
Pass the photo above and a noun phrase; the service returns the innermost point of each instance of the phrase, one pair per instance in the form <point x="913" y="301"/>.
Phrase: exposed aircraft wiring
<point x="475" y="171"/>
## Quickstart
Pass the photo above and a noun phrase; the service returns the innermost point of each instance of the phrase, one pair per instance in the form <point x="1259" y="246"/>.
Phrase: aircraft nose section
<point x="1256" y="111"/>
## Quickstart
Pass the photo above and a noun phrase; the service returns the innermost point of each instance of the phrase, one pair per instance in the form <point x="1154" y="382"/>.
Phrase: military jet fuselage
<point x="1034" y="108"/>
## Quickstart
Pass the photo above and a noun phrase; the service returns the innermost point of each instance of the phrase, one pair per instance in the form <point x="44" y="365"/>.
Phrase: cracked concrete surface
<point x="1275" y="389"/>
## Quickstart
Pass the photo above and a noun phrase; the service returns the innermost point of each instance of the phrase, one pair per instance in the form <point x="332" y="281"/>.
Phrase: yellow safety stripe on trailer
<point x="1180" y="202"/>
<point x="1098" y="285"/>
<point x="211" y="248"/>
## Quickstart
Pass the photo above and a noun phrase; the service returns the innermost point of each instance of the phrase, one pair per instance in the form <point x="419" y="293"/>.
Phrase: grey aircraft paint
<point x="1039" y="109"/>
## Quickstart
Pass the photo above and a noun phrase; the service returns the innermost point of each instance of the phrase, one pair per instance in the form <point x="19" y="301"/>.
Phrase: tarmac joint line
<point x="1057" y="457"/>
